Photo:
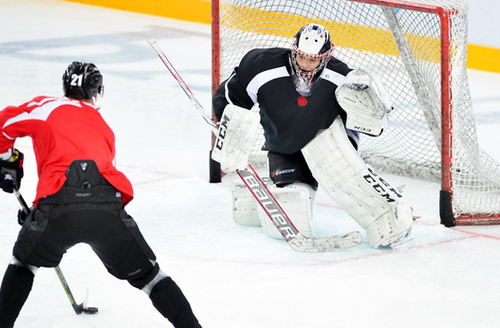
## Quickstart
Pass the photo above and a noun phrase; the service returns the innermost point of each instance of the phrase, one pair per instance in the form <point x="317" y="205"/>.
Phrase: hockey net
<point x="418" y="49"/>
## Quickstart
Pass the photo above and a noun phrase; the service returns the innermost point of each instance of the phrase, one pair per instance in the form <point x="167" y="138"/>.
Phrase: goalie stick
<point x="208" y="119"/>
<point x="271" y="207"/>
<point x="78" y="308"/>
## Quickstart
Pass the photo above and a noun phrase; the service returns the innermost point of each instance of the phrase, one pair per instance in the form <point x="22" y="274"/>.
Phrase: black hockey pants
<point x="93" y="215"/>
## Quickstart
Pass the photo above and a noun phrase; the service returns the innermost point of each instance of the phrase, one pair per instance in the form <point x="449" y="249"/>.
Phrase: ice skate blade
<point x="402" y="240"/>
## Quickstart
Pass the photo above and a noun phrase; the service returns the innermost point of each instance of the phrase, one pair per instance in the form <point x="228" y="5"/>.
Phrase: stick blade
<point x="78" y="308"/>
<point x="90" y="310"/>
<point x="326" y="244"/>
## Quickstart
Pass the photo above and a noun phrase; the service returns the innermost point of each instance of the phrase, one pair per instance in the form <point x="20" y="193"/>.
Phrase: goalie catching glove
<point x="365" y="101"/>
<point x="11" y="172"/>
<point x="237" y="129"/>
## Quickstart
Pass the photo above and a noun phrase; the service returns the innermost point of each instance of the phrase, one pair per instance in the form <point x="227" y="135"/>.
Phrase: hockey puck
<point x="90" y="310"/>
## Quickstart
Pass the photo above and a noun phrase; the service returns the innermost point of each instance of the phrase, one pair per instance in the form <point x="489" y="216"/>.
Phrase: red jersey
<point x="63" y="130"/>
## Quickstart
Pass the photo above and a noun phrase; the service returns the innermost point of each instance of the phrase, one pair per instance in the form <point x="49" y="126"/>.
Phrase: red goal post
<point x="419" y="50"/>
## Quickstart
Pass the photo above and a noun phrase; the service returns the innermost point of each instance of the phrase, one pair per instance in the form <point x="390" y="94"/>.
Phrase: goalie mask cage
<point x="418" y="49"/>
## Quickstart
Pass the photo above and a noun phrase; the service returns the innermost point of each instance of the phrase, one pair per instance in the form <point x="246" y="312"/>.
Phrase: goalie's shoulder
<point x="338" y="66"/>
<point x="335" y="72"/>
<point x="261" y="59"/>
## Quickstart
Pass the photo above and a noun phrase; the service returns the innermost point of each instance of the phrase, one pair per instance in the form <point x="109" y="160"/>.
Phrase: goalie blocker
<point x="369" y="199"/>
<point x="233" y="145"/>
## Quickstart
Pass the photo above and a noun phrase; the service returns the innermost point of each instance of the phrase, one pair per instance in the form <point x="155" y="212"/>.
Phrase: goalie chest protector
<point x="290" y="120"/>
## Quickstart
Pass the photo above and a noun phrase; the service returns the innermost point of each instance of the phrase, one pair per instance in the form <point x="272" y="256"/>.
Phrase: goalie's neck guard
<point x="305" y="87"/>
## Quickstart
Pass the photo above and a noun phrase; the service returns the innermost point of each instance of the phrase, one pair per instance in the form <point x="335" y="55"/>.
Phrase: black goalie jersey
<point x="289" y="119"/>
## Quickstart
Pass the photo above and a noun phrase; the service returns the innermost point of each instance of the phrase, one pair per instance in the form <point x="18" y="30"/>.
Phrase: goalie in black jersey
<point x="311" y="106"/>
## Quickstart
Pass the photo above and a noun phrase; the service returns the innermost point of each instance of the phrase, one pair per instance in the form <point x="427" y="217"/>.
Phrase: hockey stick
<point x="208" y="119"/>
<point x="79" y="308"/>
<point x="290" y="233"/>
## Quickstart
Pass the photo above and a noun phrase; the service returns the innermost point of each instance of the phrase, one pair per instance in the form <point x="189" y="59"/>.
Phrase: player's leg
<point x="121" y="247"/>
<point x="19" y="276"/>
<point x="16" y="286"/>
<point x="169" y="300"/>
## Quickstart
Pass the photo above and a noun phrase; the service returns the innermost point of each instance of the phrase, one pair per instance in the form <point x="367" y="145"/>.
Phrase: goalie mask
<point x="82" y="81"/>
<point x="312" y="49"/>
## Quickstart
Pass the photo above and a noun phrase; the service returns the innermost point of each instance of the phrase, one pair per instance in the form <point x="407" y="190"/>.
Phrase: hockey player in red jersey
<point x="312" y="107"/>
<point x="80" y="197"/>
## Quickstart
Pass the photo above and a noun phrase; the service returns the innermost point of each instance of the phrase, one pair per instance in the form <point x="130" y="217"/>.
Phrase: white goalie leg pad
<point x="237" y="130"/>
<point x="388" y="228"/>
<point x="365" y="101"/>
<point x="245" y="207"/>
<point x="296" y="200"/>
<point x="373" y="203"/>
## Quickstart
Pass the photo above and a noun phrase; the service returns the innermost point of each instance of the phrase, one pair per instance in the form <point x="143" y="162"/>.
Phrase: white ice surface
<point x="234" y="277"/>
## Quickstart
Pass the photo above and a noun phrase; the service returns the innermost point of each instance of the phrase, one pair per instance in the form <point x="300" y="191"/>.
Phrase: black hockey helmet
<point x="82" y="81"/>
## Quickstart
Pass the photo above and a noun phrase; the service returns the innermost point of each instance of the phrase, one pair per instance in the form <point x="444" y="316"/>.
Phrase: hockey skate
<point x="403" y="238"/>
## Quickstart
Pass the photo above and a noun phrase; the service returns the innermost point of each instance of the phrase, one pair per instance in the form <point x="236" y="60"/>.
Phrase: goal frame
<point x="447" y="216"/>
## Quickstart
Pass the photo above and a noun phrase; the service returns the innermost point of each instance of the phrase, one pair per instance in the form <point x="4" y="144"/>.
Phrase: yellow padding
<point x="483" y="58"/>
<point x="198" y="11"/>
<point x="360" y="37"/>
<point x="344" y="35"/>
<point x="479" y="57"/>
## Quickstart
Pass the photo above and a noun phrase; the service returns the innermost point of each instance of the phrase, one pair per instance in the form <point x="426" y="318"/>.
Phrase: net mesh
<point x="400" y="44"/>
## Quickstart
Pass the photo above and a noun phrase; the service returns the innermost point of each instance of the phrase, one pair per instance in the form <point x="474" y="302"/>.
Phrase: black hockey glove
<point x="11" y="172"/>
<point x="21" y="216"/>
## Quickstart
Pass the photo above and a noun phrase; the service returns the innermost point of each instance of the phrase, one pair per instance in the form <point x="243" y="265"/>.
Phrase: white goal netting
<point x="418" y="49"/>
